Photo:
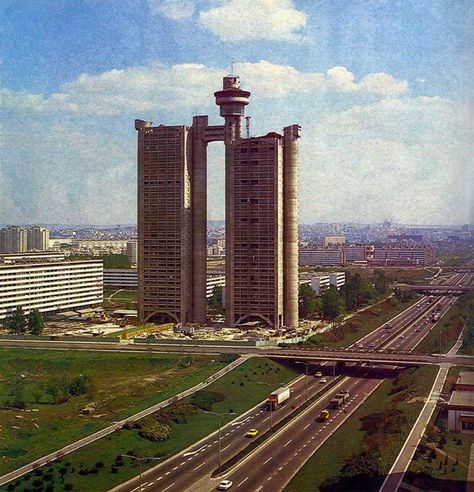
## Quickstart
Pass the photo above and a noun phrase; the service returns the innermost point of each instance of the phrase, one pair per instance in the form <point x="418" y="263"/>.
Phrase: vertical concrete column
<point x="290" y="224"/>
<point x="199" y="207"/>
<point x="140" y="126"/>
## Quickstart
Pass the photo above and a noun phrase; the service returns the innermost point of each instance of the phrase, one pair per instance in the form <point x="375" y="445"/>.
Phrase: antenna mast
<point x="247" y="125"/>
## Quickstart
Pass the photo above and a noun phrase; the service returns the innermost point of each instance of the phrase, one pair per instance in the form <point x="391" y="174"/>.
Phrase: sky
<point x="382" y="89"/>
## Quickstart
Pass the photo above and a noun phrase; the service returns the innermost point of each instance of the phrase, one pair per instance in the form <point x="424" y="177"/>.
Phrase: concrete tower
<point x="231" y="101"/>
<point x="291" y="134"/>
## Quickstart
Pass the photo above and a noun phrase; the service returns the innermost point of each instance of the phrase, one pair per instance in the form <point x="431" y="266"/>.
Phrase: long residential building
<point x="321" y="256"/>
<point x="402" y="256"/>
<point x="49" y="286"/>
<point x="127" y="278"/>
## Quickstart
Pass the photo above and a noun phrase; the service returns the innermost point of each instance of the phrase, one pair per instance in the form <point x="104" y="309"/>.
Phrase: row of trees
<point x="354" y="294"/>
<point x="19" y="324"/>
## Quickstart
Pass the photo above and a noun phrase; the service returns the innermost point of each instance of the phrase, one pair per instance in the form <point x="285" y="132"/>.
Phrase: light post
<point x="306" y="364"/>
<point x="271" y="406"/>
<point x="140" y="463"/>
<point x="219" y="438"/>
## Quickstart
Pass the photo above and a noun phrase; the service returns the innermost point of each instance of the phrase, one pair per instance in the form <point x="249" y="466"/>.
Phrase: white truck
<point x="278" y="397"/>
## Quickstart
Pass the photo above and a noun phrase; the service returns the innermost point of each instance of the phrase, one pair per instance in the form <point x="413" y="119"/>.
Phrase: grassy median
<point x="99" y="467"/>
<point x="370" y="439"/>
<point x="50" y="398"/>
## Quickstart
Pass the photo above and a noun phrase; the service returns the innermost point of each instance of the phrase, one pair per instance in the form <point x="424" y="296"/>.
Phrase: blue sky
<point x="383" y="90"/>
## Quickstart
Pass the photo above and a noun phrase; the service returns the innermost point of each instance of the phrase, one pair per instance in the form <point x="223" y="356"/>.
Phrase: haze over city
<point x="380" y="89"/>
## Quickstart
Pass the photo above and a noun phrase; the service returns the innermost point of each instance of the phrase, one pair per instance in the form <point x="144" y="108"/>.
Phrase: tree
<point x="215" y="301"/>
<point x="16" y="323"/>
<point x="307" y="301"/>
<point x="381" y="282"/>
<point x="331" y="302"/>
<point x="35" y="322"/>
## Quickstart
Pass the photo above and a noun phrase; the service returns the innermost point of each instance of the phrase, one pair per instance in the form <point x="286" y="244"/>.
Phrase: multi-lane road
<point x="289" y="451"/>
<point x="273" y="464"/>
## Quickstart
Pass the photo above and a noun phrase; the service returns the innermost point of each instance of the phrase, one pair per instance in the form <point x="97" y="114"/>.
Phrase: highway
<point x="410" y="324"/>
<point x="272" y="466"/>
<point x="202" y="458"/>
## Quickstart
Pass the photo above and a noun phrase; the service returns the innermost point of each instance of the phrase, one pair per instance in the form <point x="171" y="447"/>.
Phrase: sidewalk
<point x="116" y="425"/>
<point x="396" y="473"/>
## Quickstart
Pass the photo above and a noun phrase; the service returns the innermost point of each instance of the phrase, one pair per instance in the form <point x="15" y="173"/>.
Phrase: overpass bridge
<point x="383" y="357"/>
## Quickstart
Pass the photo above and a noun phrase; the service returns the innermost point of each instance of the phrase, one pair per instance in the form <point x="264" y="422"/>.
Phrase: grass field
<point x="360" y="325"/>
<point x="442" y="458"/>
<point x="444" y="335"/>
<point x="240" y="391"/>
<point x="350" y="439"/>
<point x="118" y="385"/>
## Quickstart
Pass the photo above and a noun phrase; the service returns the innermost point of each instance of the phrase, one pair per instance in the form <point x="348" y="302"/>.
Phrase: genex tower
<point x="261" y="176"/>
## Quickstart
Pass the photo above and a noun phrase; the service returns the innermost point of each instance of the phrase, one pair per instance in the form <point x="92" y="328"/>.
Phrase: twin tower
<point x="261" y="219"/>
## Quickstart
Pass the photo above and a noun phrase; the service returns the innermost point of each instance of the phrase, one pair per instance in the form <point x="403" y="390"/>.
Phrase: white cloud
<point x="157" y="87"/>
<point x="251" y="20"/>
<point x="173" y="9"/>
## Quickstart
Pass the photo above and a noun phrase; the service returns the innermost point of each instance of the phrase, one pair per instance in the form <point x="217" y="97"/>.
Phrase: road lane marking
<point x="167" y="473"/>
<point x="223" y="449"/>
<point x="287" y="443"/>
<point x="243" y="481"/>
<point x="194" y="452"/>
<point x="169" y="486"/>
<point x="199" y="466"/>
<point x="265" y="462"/>
<point x="304" y="428"/>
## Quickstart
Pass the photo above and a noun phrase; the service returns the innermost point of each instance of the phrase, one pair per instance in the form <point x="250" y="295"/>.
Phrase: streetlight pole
<point x="140" y="460"/>
<point x="306" y="364"/>
<point x="219" y="435"/>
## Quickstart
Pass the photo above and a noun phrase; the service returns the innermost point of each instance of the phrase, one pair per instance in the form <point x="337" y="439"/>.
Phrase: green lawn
<point x="240" y="392"/>
<point x="442" y="457"/>
<point x="119" y="385"/>
<point x="121" y="295"/>
<point x="351" y="439"/>
<point x="361" y="324"/>
<point x="444" y="335"/>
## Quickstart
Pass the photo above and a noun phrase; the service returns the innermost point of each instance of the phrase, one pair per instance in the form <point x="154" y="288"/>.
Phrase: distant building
<point x="126" y="278"/>
<point x="333" y="240"/>
<point x="13" y="240"/>
<point x="121" y="278"/>
<point x="48" y="286"/>
<point x="402" y="256"/>
<point x="461" y="404"/>
<point x="355" y="252"/>
<point x="321" y="256"/>
<point x="321" y="282"/>
<point x="37" y="239"/>
<point x="132" y="252"/>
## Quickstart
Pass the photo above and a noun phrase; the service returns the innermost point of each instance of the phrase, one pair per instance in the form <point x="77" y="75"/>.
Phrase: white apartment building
<point x="321" y="282"/>
<point x="333" y="240"/>
<point x="124" y="278"/>
<point x="127" y="279"/>
<point x="50" y="286"/>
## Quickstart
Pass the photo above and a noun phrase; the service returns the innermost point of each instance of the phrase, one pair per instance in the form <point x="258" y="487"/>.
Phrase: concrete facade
<point x="49" y="286"/>
<point x="261" y="206"/>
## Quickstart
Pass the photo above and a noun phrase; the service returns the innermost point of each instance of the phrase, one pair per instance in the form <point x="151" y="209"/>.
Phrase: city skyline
<point x="380" y="89"/>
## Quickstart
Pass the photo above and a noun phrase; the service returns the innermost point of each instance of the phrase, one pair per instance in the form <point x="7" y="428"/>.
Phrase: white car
<point x="225" y="485"/>
<point x="323" y="380"/>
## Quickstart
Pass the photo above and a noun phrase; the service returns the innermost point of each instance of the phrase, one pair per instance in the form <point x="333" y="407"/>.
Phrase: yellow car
<point x="251" y="433"/>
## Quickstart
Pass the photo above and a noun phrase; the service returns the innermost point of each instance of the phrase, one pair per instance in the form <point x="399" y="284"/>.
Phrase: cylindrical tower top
<point x="232" y="99"/>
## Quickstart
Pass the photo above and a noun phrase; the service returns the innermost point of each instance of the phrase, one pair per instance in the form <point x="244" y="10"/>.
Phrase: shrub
<point x="384" y="422"/>
<point x="205" y="399"/>
<point x="154" y="431"/>
<point x="99" y="464"/>
<point x="68" y="486"/>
